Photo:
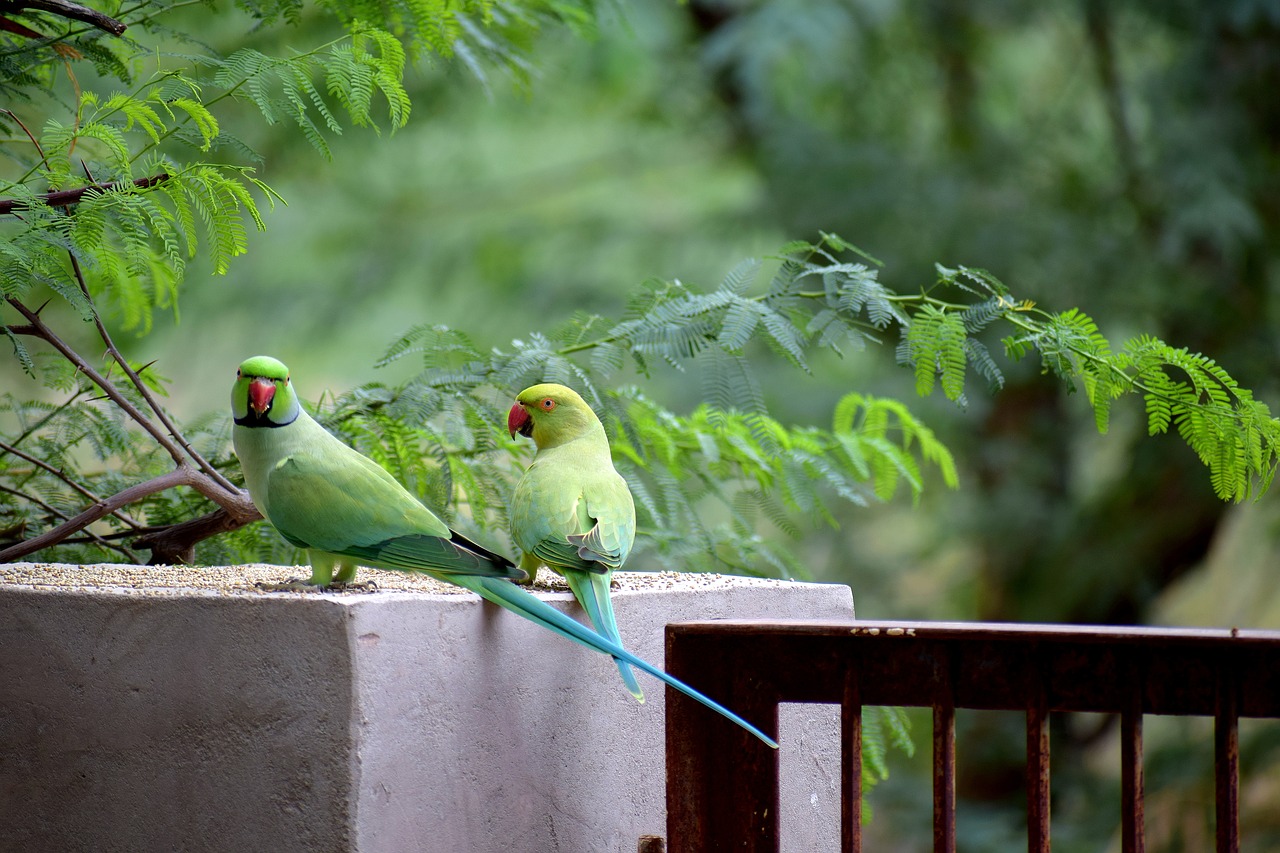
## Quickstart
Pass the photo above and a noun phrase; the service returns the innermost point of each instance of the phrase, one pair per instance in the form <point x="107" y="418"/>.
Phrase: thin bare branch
<point x="54" y="511"/>
<point x="120" y="514"/>
<point x="33" y="428"/>
<point x="39" y="150"/>
<point x="177" y="477"/>
<point x="156" y="408"/>
<point x="37" y="328"/>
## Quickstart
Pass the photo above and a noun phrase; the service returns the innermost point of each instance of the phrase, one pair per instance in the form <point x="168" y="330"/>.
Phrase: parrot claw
<point x="291" y="585"/>
<point x="351" y="586"/>
<point x="300" y="585"/>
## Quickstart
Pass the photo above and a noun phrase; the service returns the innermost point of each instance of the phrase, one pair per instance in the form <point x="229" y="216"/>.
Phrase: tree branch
<point x="238" y="507"/>
<point x="156" y="408"/>
<point x="18" y="29"/>
<point x="73" y="11"/>
<point x="37" y="328"/>
<point x="54" y="511"/>
<point x="175" y="543"/>
<point x="8" y="448"/>
<point x="65" y="198"/>
<point x="119" y="358"/>
<point x="31" y="429"/>
<point x="177" y="477"/>
<point x="235" y="507"/>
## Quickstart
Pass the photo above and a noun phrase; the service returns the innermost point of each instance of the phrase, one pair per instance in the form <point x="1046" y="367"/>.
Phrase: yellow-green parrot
<point x="571" y="511"/>
<point x="346" y="510"/>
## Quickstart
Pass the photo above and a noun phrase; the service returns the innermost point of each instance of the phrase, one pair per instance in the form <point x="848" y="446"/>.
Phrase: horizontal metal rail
<point x="722" y="783"/>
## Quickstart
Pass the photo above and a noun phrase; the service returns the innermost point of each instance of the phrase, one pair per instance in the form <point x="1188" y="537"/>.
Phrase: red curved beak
<point x="518" y="421"/>
<point x="261" y="393"/>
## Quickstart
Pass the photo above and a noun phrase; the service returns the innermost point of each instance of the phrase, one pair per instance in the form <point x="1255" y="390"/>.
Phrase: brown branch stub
<point x="175" y="544"/>
<point x="18" y="29"/>
<point x="72" y="11"/>
<point x="66" y="198"/>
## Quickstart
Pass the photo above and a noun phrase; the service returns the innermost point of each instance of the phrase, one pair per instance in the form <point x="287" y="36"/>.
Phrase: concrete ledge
<point x="178" y="708"/>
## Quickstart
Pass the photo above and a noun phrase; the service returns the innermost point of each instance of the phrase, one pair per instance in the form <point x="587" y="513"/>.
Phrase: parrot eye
<point x="548" y="404"/>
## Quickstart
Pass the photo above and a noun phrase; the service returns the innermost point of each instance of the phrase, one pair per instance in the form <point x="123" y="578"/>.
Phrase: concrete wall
<point x="180" y="716"/>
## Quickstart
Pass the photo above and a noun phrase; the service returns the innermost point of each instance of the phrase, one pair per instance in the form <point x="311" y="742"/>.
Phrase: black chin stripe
<point x="255" y="422"/>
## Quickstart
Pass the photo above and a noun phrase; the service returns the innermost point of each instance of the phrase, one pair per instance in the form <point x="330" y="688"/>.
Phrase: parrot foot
<point x="351" y="586"/>
<point x="291" y="585"/>
<point x="300" y="585"/>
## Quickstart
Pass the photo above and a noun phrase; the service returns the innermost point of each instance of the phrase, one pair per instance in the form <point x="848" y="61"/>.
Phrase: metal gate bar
<point x="722" y="784"/>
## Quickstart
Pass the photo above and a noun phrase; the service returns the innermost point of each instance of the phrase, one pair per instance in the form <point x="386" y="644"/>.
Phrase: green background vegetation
<point x="1120" y="157"/>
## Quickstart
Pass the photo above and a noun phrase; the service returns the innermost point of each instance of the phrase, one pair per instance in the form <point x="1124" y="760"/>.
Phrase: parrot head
<point x="262" y="395"/>
<point x="550" y="415"/>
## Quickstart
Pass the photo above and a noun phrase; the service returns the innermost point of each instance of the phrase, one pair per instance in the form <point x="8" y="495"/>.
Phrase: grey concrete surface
<point x="181" y="709"/>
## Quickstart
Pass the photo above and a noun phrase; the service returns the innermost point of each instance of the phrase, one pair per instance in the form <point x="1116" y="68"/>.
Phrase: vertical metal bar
<point x="1132" y="804"/>
<point x="690" y="770"/>
<point x="1038" y="772"/>
<point x="722" y="783"/>
<point x="944" y="778"/>
<point x="1226" y="761"/>
<point x="944" y="762"/>
<point x="851" y="762"/>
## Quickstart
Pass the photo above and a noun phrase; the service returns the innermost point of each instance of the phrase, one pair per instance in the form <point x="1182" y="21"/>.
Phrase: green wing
<point x="339" y="501"/>
<point x="453" y="556"/>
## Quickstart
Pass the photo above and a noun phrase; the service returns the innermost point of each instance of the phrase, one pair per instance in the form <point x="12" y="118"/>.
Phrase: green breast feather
<point x="572" y="517"/>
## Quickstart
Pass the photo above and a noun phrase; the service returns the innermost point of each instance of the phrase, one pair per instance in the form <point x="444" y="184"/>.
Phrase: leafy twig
<point x="156" y="408"/>
<point x="65" y="198"/>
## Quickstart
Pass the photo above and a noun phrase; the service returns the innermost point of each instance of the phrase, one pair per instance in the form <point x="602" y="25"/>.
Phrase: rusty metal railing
<point x="722" y="784"/>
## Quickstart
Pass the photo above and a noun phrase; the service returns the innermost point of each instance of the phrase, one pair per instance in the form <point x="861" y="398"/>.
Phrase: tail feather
<point x="592" y="591"/>
<point x="508" y="595"/>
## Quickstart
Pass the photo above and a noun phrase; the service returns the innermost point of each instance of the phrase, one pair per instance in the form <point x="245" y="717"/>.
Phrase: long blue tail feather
<point x="592" y="591"/>
<point x="507" y="595"/>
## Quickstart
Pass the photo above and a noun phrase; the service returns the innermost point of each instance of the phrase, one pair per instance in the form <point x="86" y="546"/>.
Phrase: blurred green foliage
<point x="1116" y="156"/>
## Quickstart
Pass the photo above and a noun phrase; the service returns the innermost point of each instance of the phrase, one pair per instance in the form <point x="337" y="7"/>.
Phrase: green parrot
<point x="571" y="511"/>
<point x="346" y="510"/>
